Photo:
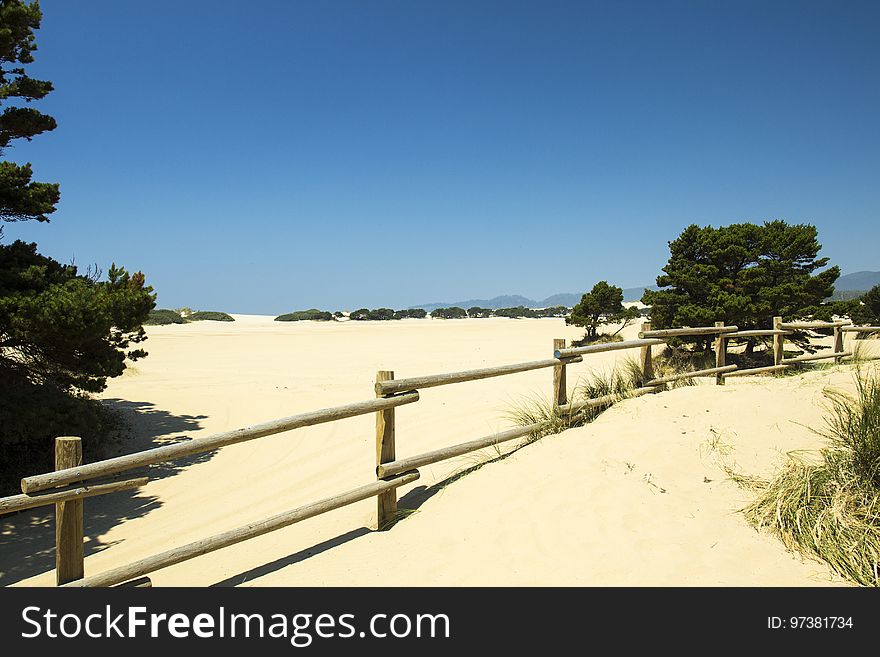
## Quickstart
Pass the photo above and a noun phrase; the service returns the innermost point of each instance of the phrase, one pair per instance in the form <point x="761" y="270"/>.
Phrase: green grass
<point x="829" y="506"/>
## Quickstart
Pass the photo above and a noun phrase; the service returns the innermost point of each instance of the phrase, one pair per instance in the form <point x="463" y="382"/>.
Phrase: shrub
<point x="303" y="315"/>
<point x="381" y="314"/>
<point x="164" y="316"/>
<point x="209" y="315"/>
<point x="516" y="312"/>
<point x="479" y="313"/>
<point x="453" y="312"/>
<point x="411" y="313"/>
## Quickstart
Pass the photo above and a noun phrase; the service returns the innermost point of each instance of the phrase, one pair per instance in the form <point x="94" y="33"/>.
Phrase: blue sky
<point x="267" y="156"/>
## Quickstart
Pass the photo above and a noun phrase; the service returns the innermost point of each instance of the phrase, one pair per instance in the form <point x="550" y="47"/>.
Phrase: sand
<point x="636" y="498"/>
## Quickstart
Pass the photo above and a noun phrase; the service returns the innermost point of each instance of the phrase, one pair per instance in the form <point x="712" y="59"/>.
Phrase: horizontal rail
<point x="604" y="400"/>
<point x="208" y="443"/>
<point x="756" y="370"/>
<point x="806" y="326"/>
<point x="191" y="550"/>
<point x="432" y="380"/>
<point x="444" y="453"/>
<point x="807" y="358"/>
<point x="690" y="375"/>
<point x="696" y="330"/>
<point x="608" y="346"/>
<point x="21" y="502"/>
<point x="757" y="333"/>
<point x="412" y="462"/>
<point x="860" y="329"/>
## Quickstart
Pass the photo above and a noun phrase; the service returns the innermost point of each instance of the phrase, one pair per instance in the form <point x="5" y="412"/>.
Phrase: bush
<point x="453" y="312"/>
<point x="516" y="312"/>
<point x="209" y="315"/>
<point x="411" y="313"/>
<point x="164" y="316"/>
<point x="379" y="314"/>
<point x="475" y="312"/>
<point x="312" y="314"/>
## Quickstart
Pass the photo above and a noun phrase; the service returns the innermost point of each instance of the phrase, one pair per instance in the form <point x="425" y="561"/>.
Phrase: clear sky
<point x="267" y="156"/>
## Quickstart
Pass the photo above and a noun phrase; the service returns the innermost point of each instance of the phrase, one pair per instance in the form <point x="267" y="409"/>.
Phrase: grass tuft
<point x="830" y="508"/>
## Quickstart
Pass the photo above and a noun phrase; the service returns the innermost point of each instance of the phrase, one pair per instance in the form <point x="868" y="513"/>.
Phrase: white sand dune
<point x="636" y="497"/>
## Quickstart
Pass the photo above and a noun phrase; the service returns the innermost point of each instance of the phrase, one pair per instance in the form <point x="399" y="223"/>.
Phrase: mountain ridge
<point x="856" y="281"/>
<point x="568" y="299"/>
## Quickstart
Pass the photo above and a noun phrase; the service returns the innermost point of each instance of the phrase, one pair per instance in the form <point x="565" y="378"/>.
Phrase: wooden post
<point x="778" y="342"/>
<point x="385" y="453"/>
<point x="838" y="343"/>
<point x="720" y="354"/>
<point x="560" y="394"/>
<point x="646" y="361"/>
<point x="68" y="517"/>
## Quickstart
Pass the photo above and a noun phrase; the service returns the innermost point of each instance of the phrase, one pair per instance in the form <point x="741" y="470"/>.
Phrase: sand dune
<point x="637" y="497"/>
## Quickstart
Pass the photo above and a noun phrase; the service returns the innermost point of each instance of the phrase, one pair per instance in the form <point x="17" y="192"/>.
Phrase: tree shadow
<point x="27" y="539"/>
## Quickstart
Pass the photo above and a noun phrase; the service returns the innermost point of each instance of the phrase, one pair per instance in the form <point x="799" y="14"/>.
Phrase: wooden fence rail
<point x="433" y="380"/>
<point x="757" y="333"/>
<point x="756" y="370"/>
<point x="156" y="455"/>
<point x="64" y="487"/>
<point x="807" y="326"/>
<point x="690" y="375"/>
<point x="677" y="332"/>
<point x="233" y="536"/>
<point x="444" y="453"/>
<point x="21" y="502"/>
<point x="810" y="357"/>
<point x="608" y="346"/>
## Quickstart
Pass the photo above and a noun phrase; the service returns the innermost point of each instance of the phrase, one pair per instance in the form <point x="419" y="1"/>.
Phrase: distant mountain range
<point x="860" y="280"/>
<point x="568" y="299"/>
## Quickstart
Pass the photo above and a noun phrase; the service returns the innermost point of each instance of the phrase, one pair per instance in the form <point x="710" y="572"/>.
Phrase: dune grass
<point x="829" y="507"/>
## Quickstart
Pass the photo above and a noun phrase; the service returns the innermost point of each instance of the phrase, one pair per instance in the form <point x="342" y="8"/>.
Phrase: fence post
<point x="720" y="354"/>
<point x="68" y="517"/>
<point x="646" y="360"/>
<point x="838" y="343"/>
<point x="778" y="342"/>
<point x="386" y="502"/>
<point x="560" y="394"/>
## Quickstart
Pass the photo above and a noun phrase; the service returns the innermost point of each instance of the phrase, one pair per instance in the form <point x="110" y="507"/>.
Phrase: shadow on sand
<point x="407" y="504"/>
<point x="27" y="539"/>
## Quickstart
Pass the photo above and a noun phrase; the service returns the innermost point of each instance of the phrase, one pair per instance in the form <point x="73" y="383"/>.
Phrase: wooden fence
<point x="64" y="487"/>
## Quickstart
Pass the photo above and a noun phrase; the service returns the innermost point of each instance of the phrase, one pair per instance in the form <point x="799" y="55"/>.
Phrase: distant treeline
<point x="454" y="312"/>
<point x="163" y="316"/>
<point x="517" y="312"/>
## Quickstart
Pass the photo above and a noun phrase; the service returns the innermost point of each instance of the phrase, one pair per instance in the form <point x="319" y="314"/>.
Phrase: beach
<point x="638" y="497"/>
